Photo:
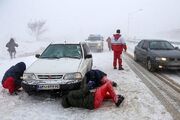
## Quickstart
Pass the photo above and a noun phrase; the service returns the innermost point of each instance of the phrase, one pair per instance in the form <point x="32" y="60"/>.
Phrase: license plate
<point x="48" y="87"/>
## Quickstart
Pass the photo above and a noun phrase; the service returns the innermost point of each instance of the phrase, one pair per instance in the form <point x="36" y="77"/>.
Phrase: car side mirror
<point x="37" y="55"/>
<point x="88" y="56"/>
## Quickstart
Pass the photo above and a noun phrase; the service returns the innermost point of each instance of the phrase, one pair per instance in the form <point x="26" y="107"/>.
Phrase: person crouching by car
<point x="12" y="77"/>
<point x="84" y="98"/>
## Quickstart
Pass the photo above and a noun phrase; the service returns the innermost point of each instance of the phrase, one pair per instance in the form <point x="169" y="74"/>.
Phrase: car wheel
<point x="30" y="93"/>
<point x="150" y="66"/>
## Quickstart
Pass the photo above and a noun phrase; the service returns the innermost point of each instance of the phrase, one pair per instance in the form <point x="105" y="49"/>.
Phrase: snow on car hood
<point x="62" y="65"/>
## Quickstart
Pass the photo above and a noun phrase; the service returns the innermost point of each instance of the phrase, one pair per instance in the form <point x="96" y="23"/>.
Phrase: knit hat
<point x="65" y="103"/>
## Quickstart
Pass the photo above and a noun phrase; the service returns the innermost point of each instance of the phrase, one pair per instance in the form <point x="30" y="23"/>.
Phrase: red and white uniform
<point x="118" y="44"/>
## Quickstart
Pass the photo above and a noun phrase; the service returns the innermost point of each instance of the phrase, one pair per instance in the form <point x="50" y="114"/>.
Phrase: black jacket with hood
<point x="16" y="72"/>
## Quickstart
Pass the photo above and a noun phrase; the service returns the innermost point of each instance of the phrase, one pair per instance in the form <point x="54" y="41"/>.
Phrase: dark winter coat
<point x="96" y="76"/>
<point x="15" y="72"/>
<point x="81" y="98"/>
<point x="11" y="46"/>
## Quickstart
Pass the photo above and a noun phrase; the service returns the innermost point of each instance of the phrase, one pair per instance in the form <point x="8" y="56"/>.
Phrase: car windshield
<point x="94" y="38"/>
<point x="161" y="45"/>
<point x="56" y="51"/>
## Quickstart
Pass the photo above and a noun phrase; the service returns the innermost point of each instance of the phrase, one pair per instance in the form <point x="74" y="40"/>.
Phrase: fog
<point x="76" y="19"/>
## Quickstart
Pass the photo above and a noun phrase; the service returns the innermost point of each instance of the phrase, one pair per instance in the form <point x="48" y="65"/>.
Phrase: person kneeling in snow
<point x="12" y="77"/>
<point x="96" y="78"/>
<point x="85" y="98"/>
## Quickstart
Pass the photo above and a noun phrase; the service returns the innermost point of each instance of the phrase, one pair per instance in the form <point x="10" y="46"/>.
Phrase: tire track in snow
<point x="163" y="92"/>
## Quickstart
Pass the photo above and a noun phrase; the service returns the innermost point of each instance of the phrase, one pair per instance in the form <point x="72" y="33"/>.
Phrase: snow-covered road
<point x="140" y="103"/>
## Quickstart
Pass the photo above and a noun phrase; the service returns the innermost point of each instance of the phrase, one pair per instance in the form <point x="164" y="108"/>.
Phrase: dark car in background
<point x="157" y="54"/>
<point x="95" y="42"/>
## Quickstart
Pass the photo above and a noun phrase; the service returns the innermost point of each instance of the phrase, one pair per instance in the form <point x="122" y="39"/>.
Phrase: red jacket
<point x="118" y="43"/>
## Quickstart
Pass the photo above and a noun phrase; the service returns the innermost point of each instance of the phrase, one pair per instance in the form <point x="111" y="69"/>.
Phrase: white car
<point x="61" y="67"/>
<point x="95" y="42"/>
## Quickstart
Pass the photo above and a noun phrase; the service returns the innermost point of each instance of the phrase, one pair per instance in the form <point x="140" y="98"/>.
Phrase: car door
<point x="144" y="51"/>
<point x="138" y="50"/>
<point x="87" y="60"/>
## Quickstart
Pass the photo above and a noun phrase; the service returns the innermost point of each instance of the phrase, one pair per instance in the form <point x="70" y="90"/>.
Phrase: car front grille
<point x="92" y="45"/>
<point x="50" y="76"/>
<point x="174" y="59"/>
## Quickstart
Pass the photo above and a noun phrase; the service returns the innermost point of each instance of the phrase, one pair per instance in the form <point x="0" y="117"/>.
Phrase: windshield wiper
<point x="76" y="57"/>
<point x="44" y="57"/>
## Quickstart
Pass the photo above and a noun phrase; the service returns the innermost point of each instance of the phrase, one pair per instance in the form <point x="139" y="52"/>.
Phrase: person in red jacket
<point x="118" y="44"/>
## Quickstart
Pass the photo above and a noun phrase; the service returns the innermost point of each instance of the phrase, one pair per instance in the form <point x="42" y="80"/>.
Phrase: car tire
<point x="30" y="93"/>
<point x="150" y="66"/>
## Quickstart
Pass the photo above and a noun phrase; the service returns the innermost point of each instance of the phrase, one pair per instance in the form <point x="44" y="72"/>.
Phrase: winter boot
<point x="121" y="68"/>
<point x="120" y="100"/>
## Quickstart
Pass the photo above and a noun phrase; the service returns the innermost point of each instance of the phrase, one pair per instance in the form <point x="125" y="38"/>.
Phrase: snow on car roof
<point x="67" y="42"/>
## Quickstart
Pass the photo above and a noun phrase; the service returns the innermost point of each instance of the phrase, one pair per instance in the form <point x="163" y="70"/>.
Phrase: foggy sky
<point x="76" y="19"/>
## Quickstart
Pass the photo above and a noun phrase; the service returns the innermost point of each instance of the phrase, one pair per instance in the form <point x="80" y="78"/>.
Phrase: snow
<point x="140" y="103"/>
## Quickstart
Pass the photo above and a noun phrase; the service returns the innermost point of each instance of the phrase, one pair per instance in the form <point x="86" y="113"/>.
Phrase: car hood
<point x="167" y="53"/>
<point x="62" y="65"/>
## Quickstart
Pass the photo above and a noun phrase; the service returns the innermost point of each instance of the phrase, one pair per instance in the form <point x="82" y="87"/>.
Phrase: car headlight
<point x="161" y="58"/>
<point x="99" y="45"/>
<point x="73" y="76"/>
<point x="29" y="76"/>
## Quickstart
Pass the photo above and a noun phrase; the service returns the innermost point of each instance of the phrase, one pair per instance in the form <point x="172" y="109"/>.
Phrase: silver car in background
<point x="95" y="43"/>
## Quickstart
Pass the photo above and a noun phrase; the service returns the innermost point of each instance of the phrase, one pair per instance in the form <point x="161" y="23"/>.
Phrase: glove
<point x="91" y="85"/>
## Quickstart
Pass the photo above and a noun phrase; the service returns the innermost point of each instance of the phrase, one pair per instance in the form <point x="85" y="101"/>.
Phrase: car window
<point x="95" y="38"/>
<point x="72" y="51"/>
<point x="161" y="45"/>
<point x="140" y="43"/>
<point x="145" y="45"/>
<point x="62" y="50"/>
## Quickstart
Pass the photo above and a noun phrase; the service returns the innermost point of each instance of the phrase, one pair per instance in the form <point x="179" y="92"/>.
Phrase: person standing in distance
<point x="118" y="45"/>
<point x="108" y="40"/>
<point x="11" y="48"/>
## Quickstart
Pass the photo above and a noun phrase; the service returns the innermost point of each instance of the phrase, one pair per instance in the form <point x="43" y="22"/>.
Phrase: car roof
<point x="158" y="40"/>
